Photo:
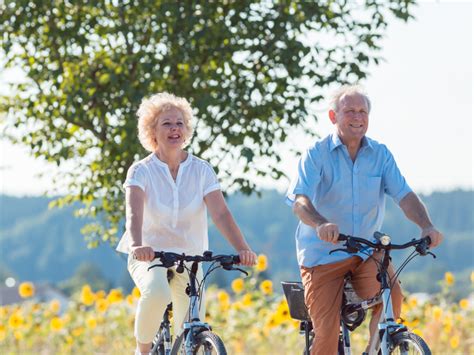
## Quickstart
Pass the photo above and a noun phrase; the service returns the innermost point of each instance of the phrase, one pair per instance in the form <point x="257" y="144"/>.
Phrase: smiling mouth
<point x="356" y="126"/>
<point x="175" y="136"/>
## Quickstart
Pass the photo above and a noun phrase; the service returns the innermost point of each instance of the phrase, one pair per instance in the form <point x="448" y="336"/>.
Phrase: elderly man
<point x="340" y="188"/>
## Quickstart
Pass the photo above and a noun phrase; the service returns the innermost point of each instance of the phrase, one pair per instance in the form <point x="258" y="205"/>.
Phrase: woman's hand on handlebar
<point x="247" y="257"/>
<point x="329" y="232"/>
<point x="143" y="253"/>
<point x="435" y="236"/>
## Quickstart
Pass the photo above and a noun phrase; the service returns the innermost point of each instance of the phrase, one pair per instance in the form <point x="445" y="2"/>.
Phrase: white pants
<point x="156" y="293"/>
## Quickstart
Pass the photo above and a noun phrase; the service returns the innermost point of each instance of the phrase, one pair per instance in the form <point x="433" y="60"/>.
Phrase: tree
<point x="251" y="70"/>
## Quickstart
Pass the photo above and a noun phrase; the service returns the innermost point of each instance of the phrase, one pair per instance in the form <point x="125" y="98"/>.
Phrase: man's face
<point x="351" y="118"/>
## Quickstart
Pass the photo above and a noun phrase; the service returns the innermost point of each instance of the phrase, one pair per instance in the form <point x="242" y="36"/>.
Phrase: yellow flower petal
<point x="464" y="303"/>
<point x="238" y="285"/>
<point x="262" y="263"/>
<point x="26" y="289"/>
<point x="266" y="287"/>
<point x="136" y="292"/>
<point x="56" y="324"/>
<point x="449" y="278"/>
<point x="454" y="341"/>
<point x="115" y="296"/>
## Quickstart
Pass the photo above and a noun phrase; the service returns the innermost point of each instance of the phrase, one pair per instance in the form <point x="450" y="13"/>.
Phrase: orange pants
<point x="324" y="286"/>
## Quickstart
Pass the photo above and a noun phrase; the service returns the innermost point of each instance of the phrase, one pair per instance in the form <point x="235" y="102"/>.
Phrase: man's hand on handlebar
<point x="329" y="232"/>
<point x="143" y="253"/>
<point x="435" y="236"/>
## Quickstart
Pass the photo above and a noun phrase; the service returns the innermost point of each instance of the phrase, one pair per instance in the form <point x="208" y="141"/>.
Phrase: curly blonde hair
<point x="148" y="113"/>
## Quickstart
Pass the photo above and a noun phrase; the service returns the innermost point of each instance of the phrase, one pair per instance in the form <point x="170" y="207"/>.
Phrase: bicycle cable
<point x="397" y="273"/>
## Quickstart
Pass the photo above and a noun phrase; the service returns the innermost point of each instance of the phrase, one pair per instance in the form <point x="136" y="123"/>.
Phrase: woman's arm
<point x="135" y="200"/>
<point x="224" y="221"/>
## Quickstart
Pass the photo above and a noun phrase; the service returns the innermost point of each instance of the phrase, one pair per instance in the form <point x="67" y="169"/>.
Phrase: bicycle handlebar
<point x="353" y="244"/>
<point x="169" y="259"/>
<point x="206" y="257"/>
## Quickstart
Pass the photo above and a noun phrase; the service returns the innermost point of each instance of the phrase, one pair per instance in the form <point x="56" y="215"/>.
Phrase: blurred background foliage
<point x="46" y="245"/>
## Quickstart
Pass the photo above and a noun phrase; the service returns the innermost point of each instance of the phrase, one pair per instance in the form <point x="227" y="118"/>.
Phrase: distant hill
<point x="39" y="244"/>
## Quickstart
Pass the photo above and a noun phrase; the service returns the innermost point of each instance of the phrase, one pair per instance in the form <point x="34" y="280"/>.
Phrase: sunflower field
<point x="252" y="318"/>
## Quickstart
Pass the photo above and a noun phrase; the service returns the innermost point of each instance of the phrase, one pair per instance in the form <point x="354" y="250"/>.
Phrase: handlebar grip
<point x="428" y="240"/>
<point x="236" y="259"/>
<point x="342" y="237"/>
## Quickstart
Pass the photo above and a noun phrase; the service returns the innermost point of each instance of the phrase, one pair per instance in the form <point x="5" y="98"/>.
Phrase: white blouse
<point x="175" y="215"/>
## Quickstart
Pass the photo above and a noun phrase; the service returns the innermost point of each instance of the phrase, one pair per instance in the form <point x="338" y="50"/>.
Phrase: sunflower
<point x="102" y="305"/>
<point x="91" y="322"/>
<point x="87" y="296"/>
<point x="262" y="263"/>
<point x="3" y="332"/>
<point x="56" y="324"/>
<point x="454" y="341"/>
<point x="437" y="313"/>
<point x="449" y="278"/>
<point x="16" y="320"/>
<point x="266" y="287"/>
<point x="115" y="296"/>
<point x="464" y="303"/>
<point x="26" y="290"/>
<point x="136" y="292"/>
<point x="238" y="285"/>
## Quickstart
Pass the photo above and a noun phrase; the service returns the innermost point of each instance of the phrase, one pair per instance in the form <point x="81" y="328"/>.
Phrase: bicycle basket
<point x="294" y="293"/>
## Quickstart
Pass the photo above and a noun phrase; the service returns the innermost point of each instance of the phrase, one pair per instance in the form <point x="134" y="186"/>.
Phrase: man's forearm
<point x="415" y="210"/>
<point x="306" y="212"/>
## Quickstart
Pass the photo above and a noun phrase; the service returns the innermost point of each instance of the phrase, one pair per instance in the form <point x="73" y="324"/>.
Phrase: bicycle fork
<point x="166" y="327"/>
<point x="386" y="325"/>
<point x="195" y="326"/>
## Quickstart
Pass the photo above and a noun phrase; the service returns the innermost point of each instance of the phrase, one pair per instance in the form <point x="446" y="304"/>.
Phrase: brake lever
<point x="155" y="265"/>
<point x="242" y="271"/>
<point x="340" y="249"/>
<point x="231" y="267"/>
<point x="433" y="255"/>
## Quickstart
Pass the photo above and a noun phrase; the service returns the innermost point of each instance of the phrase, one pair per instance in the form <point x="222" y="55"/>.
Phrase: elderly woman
<point x="167" y="196"/>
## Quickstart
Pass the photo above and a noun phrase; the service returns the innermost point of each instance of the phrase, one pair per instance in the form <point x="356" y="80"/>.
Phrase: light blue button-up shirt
<point x="349" y="194"/>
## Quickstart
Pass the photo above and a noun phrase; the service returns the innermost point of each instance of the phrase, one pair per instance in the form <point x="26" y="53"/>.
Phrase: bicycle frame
<point x="387" y="324"/>
<point x="194" y="326"/>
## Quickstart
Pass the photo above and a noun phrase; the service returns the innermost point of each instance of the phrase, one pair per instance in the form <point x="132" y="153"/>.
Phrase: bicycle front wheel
<point x="207" y="343"/>
<point x="158" y="346"/>
<point x="407" y="343"/>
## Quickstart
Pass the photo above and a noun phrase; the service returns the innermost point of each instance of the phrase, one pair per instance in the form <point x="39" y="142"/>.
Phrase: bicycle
<point x="394" y="338"/>
<point x="197" y="336"/>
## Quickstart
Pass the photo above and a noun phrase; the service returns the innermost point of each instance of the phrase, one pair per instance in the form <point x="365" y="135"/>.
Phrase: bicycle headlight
<point x="385" y="240"/>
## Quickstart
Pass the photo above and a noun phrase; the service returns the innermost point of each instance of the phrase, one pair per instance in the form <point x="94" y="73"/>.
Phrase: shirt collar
<point x="335" y="142"/>
<point x="164" y="165"/>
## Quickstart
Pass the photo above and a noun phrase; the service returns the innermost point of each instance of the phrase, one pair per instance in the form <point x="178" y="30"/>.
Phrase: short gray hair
<point x="347" y="90"/>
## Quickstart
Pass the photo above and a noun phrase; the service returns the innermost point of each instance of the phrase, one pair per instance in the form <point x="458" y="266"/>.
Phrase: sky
<point x="421" y="107"/>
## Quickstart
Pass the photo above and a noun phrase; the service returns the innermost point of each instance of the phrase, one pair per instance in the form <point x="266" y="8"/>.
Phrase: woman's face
<point x="170" y="131"/>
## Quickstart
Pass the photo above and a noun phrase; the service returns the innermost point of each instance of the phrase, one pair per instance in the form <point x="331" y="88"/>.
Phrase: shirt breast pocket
<point x="370" y="194"/>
